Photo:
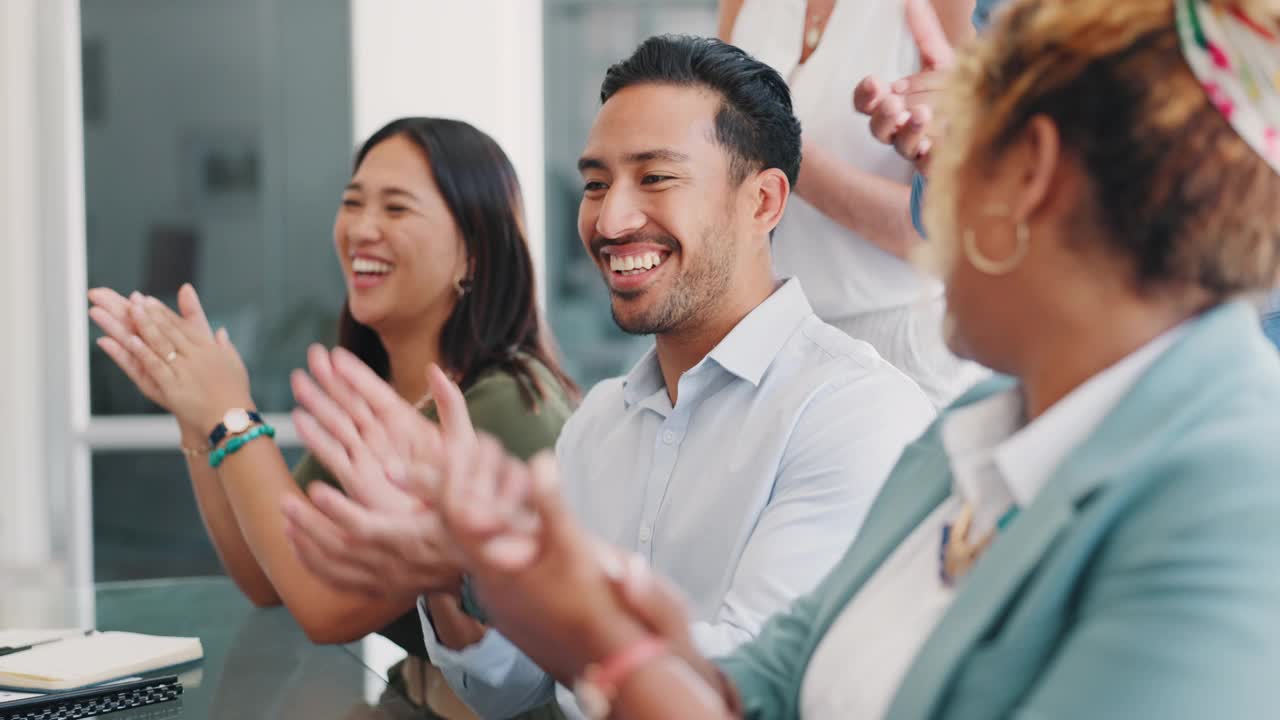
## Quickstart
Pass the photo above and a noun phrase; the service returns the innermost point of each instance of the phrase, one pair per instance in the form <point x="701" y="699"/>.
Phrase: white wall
<point x="43" y="516"/>
<point x="478" y="61"/>
<point x="23" y="535"/>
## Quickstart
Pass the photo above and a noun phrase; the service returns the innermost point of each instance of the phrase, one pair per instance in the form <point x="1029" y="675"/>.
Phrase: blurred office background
<point x="147" y="143"/>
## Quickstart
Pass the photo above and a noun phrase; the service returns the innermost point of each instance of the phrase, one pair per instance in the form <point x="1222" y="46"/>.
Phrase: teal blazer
<point x="1142" y="582"/>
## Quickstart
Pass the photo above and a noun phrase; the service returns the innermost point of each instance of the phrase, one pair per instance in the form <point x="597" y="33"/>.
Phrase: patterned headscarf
<point x="1234" y="49"/>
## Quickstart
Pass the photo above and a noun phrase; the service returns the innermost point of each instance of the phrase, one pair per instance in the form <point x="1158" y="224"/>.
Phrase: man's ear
<point x="770" y="190"/>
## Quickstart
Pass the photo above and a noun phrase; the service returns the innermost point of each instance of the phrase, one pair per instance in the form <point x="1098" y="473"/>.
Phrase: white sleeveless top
<point x="843" y="274"/>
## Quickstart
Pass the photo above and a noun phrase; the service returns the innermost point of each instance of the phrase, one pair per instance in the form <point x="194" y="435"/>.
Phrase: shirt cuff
<point x="489" y="661"/>
<point x="718" y="640"/>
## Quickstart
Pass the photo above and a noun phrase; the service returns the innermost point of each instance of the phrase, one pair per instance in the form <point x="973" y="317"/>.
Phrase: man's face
<point x="659" y="212"/>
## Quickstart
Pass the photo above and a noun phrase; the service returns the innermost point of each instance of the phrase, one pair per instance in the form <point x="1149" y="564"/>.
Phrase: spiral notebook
<point x="67" y="663"/>
<point x="98" y="700"/>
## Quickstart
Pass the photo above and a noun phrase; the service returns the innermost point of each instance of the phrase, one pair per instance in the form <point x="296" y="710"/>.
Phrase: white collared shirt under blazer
<point x="998" y="461"/>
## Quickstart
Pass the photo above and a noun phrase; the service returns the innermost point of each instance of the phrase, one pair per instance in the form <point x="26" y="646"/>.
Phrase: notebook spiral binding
<point x="99" y="701"/>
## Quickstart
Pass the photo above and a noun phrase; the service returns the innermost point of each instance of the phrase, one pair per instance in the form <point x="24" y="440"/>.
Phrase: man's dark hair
<point x="754" y="123"/>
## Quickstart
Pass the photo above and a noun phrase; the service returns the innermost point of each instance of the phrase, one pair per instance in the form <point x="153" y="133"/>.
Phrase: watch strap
<point x="219" y="432"/>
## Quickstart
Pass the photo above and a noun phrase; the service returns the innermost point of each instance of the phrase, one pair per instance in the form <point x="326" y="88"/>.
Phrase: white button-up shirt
<point x="997" y="460"/>
<point x="745" y="493"/>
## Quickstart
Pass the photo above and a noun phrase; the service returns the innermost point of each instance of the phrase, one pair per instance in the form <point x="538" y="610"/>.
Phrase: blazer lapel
<point x="1180" y="388"/>
<point x="1172" y="388"/>
<point x="920" y="481"/>
<point x="985" y="592"/>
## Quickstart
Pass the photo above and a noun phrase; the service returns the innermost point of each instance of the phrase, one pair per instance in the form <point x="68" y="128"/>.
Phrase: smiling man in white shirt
<point x="741" y="454"/>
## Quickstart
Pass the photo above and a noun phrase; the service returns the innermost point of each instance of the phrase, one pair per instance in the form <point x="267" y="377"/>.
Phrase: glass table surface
<point x="257" y="662"/>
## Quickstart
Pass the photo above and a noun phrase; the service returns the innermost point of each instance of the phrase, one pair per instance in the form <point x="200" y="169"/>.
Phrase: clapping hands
<point x="384" y="536"/>
<point x="428" y="503"/>
<point x="176" y="359"/>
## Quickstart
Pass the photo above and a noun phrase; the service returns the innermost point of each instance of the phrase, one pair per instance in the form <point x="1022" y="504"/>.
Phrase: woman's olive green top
<point x="499" y="406"/>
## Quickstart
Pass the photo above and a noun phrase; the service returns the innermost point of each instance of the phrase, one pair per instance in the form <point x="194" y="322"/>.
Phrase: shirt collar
<point x="749" y="349"/>
<point x="1027" y="455"/>
<point x="746" y="352"/>
<point x="644" y="380"/>
<point x="969" y="434"/>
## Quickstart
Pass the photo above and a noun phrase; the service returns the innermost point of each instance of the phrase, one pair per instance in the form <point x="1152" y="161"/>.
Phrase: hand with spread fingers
<point x="380" y="448"/>
<point x="539" y="577"/>
<point x="904" y="114"/>
<point x="176" y="360"/>
<point x="383" y="537"/>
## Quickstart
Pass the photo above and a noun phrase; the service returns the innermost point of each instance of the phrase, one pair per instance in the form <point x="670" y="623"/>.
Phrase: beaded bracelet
<point x="237" y="442"/>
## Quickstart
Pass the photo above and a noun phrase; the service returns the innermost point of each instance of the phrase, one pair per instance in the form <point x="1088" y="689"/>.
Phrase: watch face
<point x="591" y="700"/>
<point x="237" y="421"/>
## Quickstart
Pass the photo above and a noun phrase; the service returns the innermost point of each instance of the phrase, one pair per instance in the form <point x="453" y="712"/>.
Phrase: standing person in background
<point x="904" y="114"/>
<point x="848" y="232"/>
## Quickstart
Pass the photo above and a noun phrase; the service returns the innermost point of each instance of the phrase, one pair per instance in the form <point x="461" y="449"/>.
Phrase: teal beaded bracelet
<point x="217" y="456"/>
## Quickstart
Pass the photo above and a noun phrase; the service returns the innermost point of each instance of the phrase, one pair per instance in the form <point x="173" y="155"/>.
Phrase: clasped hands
<point x="428" y="503"/>
<point x="175" y="358"/>
<point x="905" y="113"/>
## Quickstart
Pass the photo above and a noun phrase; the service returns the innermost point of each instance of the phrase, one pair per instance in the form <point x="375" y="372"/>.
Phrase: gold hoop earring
<point x="984" y="264"/>
<point x="462" y="286"/>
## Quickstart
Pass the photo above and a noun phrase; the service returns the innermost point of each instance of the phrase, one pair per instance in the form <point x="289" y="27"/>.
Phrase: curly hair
<point x="1176" y="188"/>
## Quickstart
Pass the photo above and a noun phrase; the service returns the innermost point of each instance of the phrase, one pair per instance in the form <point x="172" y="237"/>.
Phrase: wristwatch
<point x="598" y="686"/>
<point x="234" y="422"/>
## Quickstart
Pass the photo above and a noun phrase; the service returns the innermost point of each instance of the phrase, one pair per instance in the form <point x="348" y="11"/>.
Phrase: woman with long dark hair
<point x="431" y="241"/>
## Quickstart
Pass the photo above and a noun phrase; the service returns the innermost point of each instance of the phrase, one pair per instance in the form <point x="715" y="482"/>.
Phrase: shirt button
<point x="668" y="437"/>
<point x="646" y="533"/>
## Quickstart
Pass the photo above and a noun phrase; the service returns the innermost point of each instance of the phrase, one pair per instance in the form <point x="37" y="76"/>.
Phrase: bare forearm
<point x="255" y="480"/>
<point x="224" y="532"/>
<point x="728" y="17"/>
<point x="874" y="207"/>
<point x="681" y="684"/>
<point x="668" y="689"/>
<point x="956" y="17"/>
